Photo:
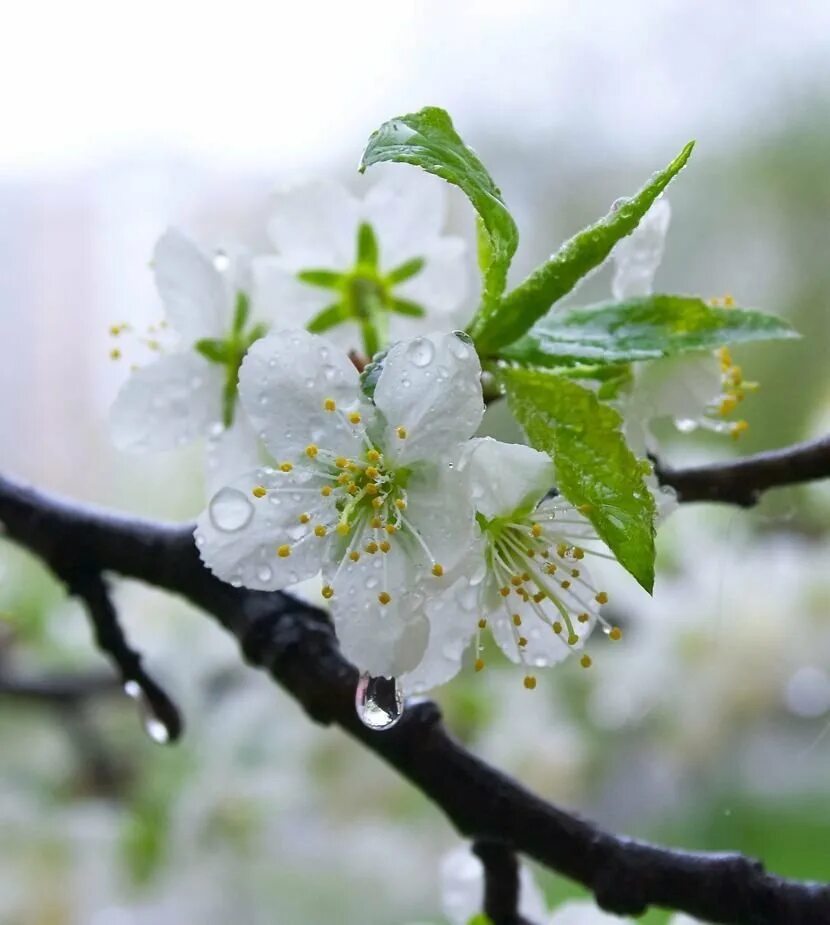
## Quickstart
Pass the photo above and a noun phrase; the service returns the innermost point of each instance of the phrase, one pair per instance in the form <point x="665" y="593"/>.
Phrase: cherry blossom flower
<point x="368" y="490"/>
<point x="370" y="267"/>
<point x="191" y="393"/>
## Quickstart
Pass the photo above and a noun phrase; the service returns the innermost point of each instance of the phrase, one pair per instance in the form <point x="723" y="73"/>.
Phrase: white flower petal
<point x="192" y="289"/>
<point x="505" y="476"/>
<point x="444" y="282"/>
<point x="382" y="639"/>
<point x="407" y="210"/>
<point x="314" y="226"/>
<point x="169" y="403"/>
<point x="239" y="534"/>
<point x="582" y="912"/>
<point x="430" y="386"/>
<point x="229" y="452"/>
<point x="283" y="383"/>
<point x="278" y="296"/>
<point x="637" y="256"/>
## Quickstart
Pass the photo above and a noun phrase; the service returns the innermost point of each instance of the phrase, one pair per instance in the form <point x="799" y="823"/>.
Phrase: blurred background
<point x="706" y="727"/>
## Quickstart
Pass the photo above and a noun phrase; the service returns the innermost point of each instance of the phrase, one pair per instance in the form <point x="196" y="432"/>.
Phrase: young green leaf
<point x="595" y="469"/>
<point x="428" y="140"/>
<point x="575" y="258"/>
<point x="644" y="328"/>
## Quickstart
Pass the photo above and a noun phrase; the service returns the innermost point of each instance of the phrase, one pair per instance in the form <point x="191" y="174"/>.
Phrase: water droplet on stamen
<point x="230" y="510"/>
<point x="153" y="726"/>
<point x="420" y="352"/>
<point x="378" y="701"/>
<point x="685" y="425"/>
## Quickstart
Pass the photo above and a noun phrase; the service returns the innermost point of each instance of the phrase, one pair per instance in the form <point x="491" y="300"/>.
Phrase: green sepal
<point x="595" y="469"/>
<point x="367" y="246"/>
<point x="325" y="279"/>
<point x="405" y="271"/>
<point x="212" y="349"/>
<point x="328" y="318"/>
<point x="526" y="304"/>
<point x="405" y="307"/>
<point x="241" y="312"/>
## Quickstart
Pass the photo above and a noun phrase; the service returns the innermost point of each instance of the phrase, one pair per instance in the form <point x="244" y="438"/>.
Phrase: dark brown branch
<point x="742" y="481"/>
<point x="59" y="690"/>
<point x="296" y="645"/>
<point x="501" y="883"/>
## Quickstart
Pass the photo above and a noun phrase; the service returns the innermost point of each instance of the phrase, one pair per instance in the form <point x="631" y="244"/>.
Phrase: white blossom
<point x="368" y="491"/>
<point x="382" y="258"/>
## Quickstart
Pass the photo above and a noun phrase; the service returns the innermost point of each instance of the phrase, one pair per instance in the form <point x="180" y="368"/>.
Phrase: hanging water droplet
<point x="458" y="346"/>
<point x="420" y="352"/>
<point x="378" y="701"/>
<point x="230" y="510"/>
<point x="685" y="425"/>
<point x="153" y="726"/>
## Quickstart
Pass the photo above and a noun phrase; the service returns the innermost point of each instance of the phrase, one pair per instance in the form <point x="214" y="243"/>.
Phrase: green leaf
<point x="329" y="317"/>
<point x="405" y="307"/>
<point x="367" y="246"/>
<point x="595" y="469"/>
<point x="325" y="279"/>
<point x="644" y="328"/>
<point x="427" y="139"/>
<point x="405" y="271"/>
<point x="216" y="351"/>
<point x="575" y="258"/>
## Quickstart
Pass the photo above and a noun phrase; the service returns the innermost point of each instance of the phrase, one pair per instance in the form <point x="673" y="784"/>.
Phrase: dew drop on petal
<point x="264" y="573"/>
<point x="230" y="510"/>
<point x="685" y="425"/>
<point x="378" y="701"/>
<point x="420" y="352"/>
<point x="458" y="348"/>
<point x="153" y="726"/>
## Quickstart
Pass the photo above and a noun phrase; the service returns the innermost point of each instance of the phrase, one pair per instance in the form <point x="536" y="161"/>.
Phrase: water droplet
<point x="372" y="582"/>
<point x="221" y="261"/>
<point x="378" y="701"/>
<point x="230" y="510"/>
<point x="216" y="429"/>
<point x="420" y="352"/>
<point x="153" y="726"/>
<point x="330" y="372"/>
<point x="685" y="425"/>
<point x="264" y="573"/>
<point x="458" y="348"/>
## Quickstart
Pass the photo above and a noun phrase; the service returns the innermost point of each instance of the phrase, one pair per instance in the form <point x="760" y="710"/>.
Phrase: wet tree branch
<point x="296" y="645"/>
<point x="501" y="883"/>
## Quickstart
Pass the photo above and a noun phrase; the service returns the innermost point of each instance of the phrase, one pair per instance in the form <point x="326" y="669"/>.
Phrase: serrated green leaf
<point x="427" y="139"/>
<point x="644" y="328"/>
<point x="595" y="469"/>
<point x="526" y="304"/>
<point x="215" y="350"/>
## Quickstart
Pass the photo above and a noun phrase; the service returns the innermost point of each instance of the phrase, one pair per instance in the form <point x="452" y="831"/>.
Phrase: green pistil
<point x="230" y="351"/>
<point x="364" y="294"/>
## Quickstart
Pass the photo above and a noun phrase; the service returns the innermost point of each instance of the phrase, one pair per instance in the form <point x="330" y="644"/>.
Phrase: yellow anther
<point x="479" y="664"/>
<point x="545" y="553"/>
<point x="341" y="462"/>
<point x="352" y="489"/>
<point x="284" y="551"/>
<point x="325" y="491"/>
<point x="550" y="568"/>
<point x="115" y="354"/>
<point x="154" y="344"/>
<point x="565" y="584"/>
<point x="372" y="489"/>
<point x="557" y="627"/>
<point x="561" y="550"/>
<point x="530" y="552"/>
<point x="401" y="432"/>
<point x="525" y="576"/>
<point x="521" y="642"/>
<point x="523" y="594"/>
<point x="400" y="504"/>
<point x="372" y="472"/>
<point x="585" y="661"/>
<point x="504" y="591"/>
<point x="373" y="456"/>
<point x="344" y="478"/>
<point x="286" y="467"/>
<point x="330" y="404"/>
<point x="385" y="546"/>
<point x="259" y="491"/>
<point x="371" y="547"/>
<point x="327" y="592"/>
<point x="320" y="530"/>
<point x="585" y="508"/>
<point x="725" y="357"/>
<point x="583" y="618"/>
<point x="437" y="569"/>
<point x="573" y="639"/>
<point x="376" y="523"/>
<point x="727" y="404"/>
<point x="517" y="619"/>
<point x="355" y="418"/>
<point x="530" y="682"/>
<point x="354" y="555"/>
<point x="738" y="428"/>
<point x="377" y="503"/>
<point x="482" y="623"/>
<point x="539" y="596"/>
<point x="602" y="598"/>
<point x="615" y="634"/>
<point x="304" y="518"/>
<point x="343" y="529"/>
<point x="575" y="573"/>
<point x="384" y="598"/>
<point x="516" y="580"/>
<point x="536" y="530"/>
<point x="115" y="330"/>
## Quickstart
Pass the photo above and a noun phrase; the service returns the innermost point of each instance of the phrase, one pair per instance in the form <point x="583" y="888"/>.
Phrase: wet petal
<point x="430" y="394"/>
<point x="191" y="288"/>
<point x="285" y="382"/>
<point x="637" y="256"/>
<point x="230" y="452"/>
<point x="241" y="536"/>
<point x="505" y="476"/>
<point x="167" y="404"/>
<point x="279" y="297"/>
<point x="444" y="282"/>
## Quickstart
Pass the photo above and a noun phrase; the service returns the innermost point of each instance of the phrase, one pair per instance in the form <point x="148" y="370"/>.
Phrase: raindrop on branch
<point x="379" y="701"/>
<point x="153" y="726"/>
